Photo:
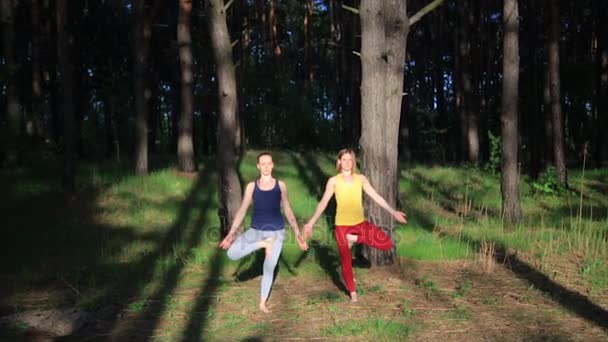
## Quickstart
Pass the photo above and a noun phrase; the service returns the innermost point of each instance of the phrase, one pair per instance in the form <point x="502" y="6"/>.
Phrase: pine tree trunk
<point x="442" y="122"/>
<point x="535" y="122"/>
<point x="468" y="118"/>
<point x="13" y="105"/>
<point x="601" y="143"/>
<point x="229" y="185"/>
<point x="459" y="136"/>
<point x="142" y="91"/>
<point x="274" y="34"/>
<point x="185" y="146"/>
<point x="547" y="119"/>
<point x="36" y="131"/>
<point x="474" y="98"/>
<point x="511" y="207"/>
<point x="66" y="82"/>
<point x="555" y="88"/>
<point x="384" y="29"/>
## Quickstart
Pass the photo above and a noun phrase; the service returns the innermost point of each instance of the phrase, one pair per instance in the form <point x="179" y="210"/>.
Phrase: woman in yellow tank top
<point x="351" y="227"/>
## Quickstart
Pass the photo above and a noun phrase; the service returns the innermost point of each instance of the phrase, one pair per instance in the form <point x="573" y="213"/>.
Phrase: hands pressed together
<point x="306" y="233"/>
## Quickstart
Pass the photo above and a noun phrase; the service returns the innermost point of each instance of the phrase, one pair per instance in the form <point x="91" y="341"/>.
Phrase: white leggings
<point x="247" y="243"/>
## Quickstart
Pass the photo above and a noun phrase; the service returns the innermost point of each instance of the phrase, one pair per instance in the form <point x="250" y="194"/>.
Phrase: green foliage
<point x="490" y="300"/>
<point x="462" y="289"/>
<point x="137" y="306"/>
<point x="459" y="312"/>
<point x="429" y="287"/>
<point x="493" y="164"/>
<point x="595" y="272"/>
<point x="406" y="309"/>
<point x="547" y="182"/>
<point x="330" y="297"/>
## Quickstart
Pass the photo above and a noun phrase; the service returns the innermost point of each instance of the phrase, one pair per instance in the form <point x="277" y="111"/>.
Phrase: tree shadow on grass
<point x="315" y="179"/>
<point x="570" y="300"/>
<point x="199" y="315"/>
<point x="255" y="266"/>
<point x="327" y="259"/>
<point x="182" y="230"/>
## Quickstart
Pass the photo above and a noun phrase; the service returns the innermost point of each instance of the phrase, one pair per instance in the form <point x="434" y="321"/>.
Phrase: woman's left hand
<point x="301" y="242"/>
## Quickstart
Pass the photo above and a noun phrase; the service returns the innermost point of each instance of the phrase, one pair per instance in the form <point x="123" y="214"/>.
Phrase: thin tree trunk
<point x="547" y="119"/>
<point x="459" y="103"/>
<point x="442" y="122"/>
<point x="601" y="143"/>
<point x="308" y="12"/>
<point x="154" y="108"/>
<point x="13" y="105"/>
<point x="229" y="185"/>
<point x="535" y="122"/>
<point x="37" y="105"/>
<point x="274" y="35"/>
<point x="473" y="100"/>
<point x="142" y="90"/>
<point x="467" y="117"/>
<point x="185" y="146"/>
<point x="511" y="207"/>
<point x="384" y="29"/>
<point x="556" y="106"/>
<point x="66" y="82"/>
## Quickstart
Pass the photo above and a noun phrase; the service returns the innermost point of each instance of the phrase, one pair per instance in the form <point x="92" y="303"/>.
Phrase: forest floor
<point x="413" y="301"/>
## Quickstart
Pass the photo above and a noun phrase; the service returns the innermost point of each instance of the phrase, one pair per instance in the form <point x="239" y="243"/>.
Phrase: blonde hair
<point x="352" y="154"/>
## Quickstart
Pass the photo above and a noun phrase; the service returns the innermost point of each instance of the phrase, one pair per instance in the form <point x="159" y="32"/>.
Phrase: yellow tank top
<point x="349" y="201"/>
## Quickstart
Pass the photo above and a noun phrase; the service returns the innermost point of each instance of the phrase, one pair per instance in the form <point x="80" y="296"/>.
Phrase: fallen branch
<point x="72" y="287"/>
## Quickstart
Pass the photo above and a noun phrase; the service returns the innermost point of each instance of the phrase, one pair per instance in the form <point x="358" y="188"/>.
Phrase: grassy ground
<point x="140" y="253"/>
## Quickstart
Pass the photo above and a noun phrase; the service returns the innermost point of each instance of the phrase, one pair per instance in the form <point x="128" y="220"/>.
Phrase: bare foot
<point x="352" y="239"/>
<point x="353" y="297"/>
<point x="263" y="307"/>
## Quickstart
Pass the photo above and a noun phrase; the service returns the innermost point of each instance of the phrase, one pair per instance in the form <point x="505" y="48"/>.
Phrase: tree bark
<point x="13" y="105"/>
<point x="601" y="143"/>
<point x="36" y="130"/>
<point x="142" y="93"/>
<point x="185" y="146"/>
<point x="548" y="121"/>
<point x="555" y="89"/>
<point x="274" y="34"/>
<point x="511" y="207"/>
<point x="384" y="29"/>
<point x="229" y="185"/>
<point x="467" y="117"/>
<point x="307" y="22"/>
<point x="65" y="42"/>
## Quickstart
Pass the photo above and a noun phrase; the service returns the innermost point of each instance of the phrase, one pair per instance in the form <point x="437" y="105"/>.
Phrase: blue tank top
<point x="267" y="208"/>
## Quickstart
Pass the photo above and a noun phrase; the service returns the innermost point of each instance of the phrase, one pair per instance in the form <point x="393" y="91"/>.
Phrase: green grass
<point x="375" y="328"/>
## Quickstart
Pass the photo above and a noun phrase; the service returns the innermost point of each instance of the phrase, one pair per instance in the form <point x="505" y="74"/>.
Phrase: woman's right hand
<point x="227" y="242"/>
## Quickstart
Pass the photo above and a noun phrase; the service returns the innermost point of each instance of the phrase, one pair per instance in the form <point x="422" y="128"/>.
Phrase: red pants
<point x="368" y="234"/>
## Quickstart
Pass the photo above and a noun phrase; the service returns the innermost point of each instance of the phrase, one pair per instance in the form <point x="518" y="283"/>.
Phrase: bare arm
<point x="291" y="218"/>
<point x="329" y="191"/>
<point x="375" y="196"/>
<point x="239" y="216"/>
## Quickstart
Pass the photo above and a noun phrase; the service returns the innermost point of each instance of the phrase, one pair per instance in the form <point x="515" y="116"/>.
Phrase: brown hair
<point x="352" y="154"/>
<point x="265" y="153"/>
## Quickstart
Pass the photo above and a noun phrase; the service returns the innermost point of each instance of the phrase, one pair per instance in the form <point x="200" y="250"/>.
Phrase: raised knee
<point x="231" y="254"/>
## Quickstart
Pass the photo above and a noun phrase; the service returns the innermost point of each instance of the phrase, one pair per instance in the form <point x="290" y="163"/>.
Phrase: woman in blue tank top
<point x="267" y="225"/>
